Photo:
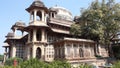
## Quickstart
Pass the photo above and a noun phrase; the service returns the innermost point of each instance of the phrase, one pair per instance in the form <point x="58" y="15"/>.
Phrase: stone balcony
<point x="38" y="23"/>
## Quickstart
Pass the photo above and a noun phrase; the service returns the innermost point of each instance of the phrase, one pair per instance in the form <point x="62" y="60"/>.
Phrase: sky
<point x="12" y="11"/>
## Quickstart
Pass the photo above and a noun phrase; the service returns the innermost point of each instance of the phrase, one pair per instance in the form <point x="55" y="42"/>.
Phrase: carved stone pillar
<point x="13" y="51"/>
<point x="43" y="15"/>
<point x="43" y="35"/>
<point x="33" y="51"/>
<point x="65" y="49"/>
<point x="35" y="14"/>
<point x="34" y="35"/>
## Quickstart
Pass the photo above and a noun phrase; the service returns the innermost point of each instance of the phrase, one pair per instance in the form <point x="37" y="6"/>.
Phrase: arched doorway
<point x="38" y="53"/>
<point x="81" y="52"/>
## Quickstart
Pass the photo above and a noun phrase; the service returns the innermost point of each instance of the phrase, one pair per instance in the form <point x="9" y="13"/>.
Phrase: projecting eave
<point x="36" y="7"/>
<point x="71" y="40"/>
<point x="79" y="40"/>
<point x="65" y="23"/>
<point x="6" y="45"/>
<point x="60" y="31"/>
<point x="13" y="38"/>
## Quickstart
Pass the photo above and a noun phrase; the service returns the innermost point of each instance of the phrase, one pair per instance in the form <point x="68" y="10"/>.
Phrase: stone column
<point x="43" y="52"/>
<point x="35" y="14"/>
<point x="72" y="50"/>
<point x="65" y="49"/>
<point x="5" y="55"/>
<point x="90" y="50"/>
<point x="14" y="31"/>
<point x="43" y="35"/>
<point x="4" y="58"/>
<point x="28" y="52"/>
<point x="83" y="50"/>
<point x="43" y="16"/>
<point x="33" y="51"/>
<point x="34" y="35"/>
<point x="13" y="51"/>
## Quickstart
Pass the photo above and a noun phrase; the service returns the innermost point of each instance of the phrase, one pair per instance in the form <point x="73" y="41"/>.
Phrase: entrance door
<point x="38" y="53"/>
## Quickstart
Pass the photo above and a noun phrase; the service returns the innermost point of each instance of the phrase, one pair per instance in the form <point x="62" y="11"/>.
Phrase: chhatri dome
<point x="62" y="13"/>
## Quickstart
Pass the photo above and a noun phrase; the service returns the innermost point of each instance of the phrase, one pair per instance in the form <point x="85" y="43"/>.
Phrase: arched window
<point x="38" y="53"/>
<point x="81" y="52"/>
<point x="39" y="16"/>
<point x="38" y="35"/>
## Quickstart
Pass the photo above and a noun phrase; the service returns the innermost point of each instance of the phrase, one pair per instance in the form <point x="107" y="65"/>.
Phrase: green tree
<point x="100" y="21"/>
<point x="75" y="30"/>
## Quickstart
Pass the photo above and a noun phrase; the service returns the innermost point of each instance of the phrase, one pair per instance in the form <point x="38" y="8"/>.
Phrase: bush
<point x="35" y="63"/>
<point x="60" y="64"/>
<point x="10" y="61"/>
<point x="32" y="63"/>
<point x="116" y="65"/>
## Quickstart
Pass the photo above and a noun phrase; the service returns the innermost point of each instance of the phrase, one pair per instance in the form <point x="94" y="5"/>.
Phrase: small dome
<point x="20" y="23"/>
<point x="62" y="13"/>
<point x="38" y="3"/>
<point x="10" y="34"/>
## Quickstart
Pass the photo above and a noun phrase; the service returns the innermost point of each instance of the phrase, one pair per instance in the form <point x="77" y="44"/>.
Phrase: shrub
<point x="32" y="63"/>
<point x="35" y="63"/>
<point x="116" y="65"/>
<point x="10" y="61"/>
<point x="60" y="64"/>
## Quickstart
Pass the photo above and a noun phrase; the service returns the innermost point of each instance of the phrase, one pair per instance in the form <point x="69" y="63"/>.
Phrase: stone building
<point x="48" y="37"/>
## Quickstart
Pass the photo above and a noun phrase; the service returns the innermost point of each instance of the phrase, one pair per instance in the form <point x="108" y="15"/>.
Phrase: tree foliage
<point x="99" y="22"/>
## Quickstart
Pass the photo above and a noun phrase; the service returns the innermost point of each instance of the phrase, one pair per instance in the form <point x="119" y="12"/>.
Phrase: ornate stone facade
<point x="48" y="37"/>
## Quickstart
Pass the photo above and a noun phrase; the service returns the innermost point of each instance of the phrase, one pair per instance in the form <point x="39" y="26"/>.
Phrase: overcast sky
<point x="12" y="11"/>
